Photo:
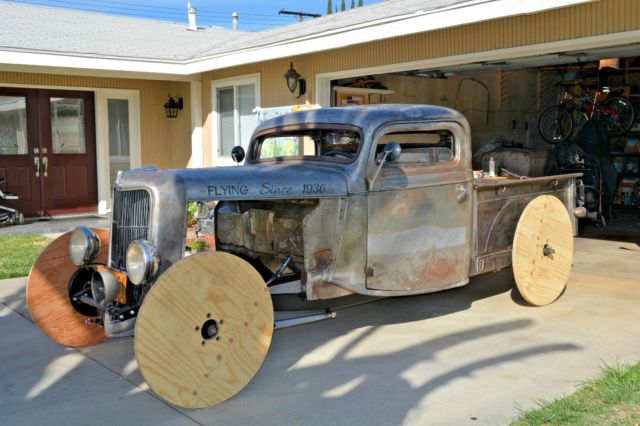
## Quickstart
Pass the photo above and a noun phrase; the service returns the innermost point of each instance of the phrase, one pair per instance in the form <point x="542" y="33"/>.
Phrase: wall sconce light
<point x="172" y="107"/>
<point x="294" y="81"/>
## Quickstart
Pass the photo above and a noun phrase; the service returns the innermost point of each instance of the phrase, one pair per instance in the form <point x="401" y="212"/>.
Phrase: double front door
<point x="48" y="150"/>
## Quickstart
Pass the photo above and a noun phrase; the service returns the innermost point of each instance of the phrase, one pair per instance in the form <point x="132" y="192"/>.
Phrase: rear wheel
<point x="618" y="115"/>
<point x="555" y="124"/>
<point x="542" y="250"/>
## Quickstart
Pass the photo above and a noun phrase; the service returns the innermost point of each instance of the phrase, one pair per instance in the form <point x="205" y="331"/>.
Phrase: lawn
<point x="613" y="399"/>
<point x="18" y="252"/>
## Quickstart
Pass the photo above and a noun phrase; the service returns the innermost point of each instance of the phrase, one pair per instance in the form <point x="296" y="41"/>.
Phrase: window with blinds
<point x="236" y="120"/>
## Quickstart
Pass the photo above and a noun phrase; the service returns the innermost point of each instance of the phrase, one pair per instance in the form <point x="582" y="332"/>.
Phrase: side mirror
<point x="237" y="154"/>
<point x="392" y="151"/>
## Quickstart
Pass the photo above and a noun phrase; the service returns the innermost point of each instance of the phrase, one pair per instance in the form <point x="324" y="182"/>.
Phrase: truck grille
<point x="129" y="222"/>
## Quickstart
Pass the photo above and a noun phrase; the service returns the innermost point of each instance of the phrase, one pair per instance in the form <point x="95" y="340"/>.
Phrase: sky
<point x="255" y="15"/>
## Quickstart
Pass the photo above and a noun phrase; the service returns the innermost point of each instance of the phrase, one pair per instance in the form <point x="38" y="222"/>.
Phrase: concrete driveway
<point x="475" y="355"/>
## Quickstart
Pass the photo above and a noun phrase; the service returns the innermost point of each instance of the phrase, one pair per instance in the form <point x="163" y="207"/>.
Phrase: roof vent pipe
<point x="234" y="18"/>
<point x="192" y="17"/>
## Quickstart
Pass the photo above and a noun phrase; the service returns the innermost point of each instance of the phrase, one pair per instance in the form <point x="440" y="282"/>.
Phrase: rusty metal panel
<point x="349" y="267"/>
<point x="419" y="217"/>
<point x="418" y="238"/>
<point x="334" y="254"/>
<point x="287" y="236"/>
<point x="497" y="209"/>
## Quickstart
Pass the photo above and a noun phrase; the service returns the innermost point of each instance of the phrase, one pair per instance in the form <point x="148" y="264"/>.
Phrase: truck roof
<point x="367" y="117"/>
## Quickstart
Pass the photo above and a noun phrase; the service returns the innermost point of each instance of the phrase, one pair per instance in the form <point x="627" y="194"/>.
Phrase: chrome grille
<point x="129" y="221"/>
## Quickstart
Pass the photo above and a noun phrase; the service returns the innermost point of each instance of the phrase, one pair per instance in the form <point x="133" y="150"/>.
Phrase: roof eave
<point x="463" y="14"/>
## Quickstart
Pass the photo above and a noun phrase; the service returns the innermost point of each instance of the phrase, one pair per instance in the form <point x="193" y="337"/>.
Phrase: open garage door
<point x="592" y="103"/>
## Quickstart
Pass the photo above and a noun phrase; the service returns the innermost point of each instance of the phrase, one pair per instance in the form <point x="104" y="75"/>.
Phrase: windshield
<point x="339" y="145"/>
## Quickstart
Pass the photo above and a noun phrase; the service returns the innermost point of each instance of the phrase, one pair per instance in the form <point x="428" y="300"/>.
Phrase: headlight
<point x="84" y="246"/>
<point x="142" y="261"/>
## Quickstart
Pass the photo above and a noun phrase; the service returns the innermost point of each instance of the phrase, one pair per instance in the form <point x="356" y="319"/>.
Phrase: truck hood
<point x="304" y="179"/>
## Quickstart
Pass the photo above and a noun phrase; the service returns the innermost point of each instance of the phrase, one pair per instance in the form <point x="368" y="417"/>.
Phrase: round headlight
<point x="142" y="261"/>
<point x="84" y="246"/>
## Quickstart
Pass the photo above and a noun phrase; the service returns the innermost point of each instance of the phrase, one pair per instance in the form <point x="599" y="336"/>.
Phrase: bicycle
<point x="558" y="122"/>
<point x="7" y="214"/>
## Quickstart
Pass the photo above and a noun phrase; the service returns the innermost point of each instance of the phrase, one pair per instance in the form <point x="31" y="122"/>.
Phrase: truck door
<point x="419" y="209"/>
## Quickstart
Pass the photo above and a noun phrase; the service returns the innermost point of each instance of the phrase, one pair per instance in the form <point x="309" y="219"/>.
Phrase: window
<point x="118" y="121"/>
<point x="419" y="147"/>
<point x="67" y="125"/>
<point x="13" y="125"/>
<point x="233" y="105"/>
<point x="326" y="144"/>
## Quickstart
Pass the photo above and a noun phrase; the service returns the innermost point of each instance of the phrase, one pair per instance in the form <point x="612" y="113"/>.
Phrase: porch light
<point x="292" y="77"/>
<point x="172" y="107"/>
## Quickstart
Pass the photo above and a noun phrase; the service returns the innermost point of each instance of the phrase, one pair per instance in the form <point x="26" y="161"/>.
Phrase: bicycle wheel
<point x="617" y="114"/>
<point x="555" y="124"/>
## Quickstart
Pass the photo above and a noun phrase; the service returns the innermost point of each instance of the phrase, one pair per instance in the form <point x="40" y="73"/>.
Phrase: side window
<point x="420" y="147"/>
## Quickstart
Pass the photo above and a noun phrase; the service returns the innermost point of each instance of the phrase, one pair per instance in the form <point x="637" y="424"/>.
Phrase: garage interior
<point x="503" y="102"/>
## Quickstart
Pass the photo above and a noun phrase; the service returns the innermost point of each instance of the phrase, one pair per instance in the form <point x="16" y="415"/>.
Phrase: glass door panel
<point x="67" y="126"/>
<point x="13" y="125"/>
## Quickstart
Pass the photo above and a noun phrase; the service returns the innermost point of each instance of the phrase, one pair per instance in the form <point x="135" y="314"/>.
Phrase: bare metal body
<point x="331" y="207"/>
<point x="415" y="229"/>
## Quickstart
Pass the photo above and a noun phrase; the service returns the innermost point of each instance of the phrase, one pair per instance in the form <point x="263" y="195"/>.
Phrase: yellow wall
<point x="164" y="142"/>
<point x="167" y="143"/>
<point x="592" y="19"/>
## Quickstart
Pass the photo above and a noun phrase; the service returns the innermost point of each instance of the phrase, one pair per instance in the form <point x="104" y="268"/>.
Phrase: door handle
<point x="45" y="163"/>
<point x="36" y="161"/>
<point x="462" y="191"/>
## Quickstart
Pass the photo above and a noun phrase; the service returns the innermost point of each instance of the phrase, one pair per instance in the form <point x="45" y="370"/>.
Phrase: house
<point x="82" y="95"/>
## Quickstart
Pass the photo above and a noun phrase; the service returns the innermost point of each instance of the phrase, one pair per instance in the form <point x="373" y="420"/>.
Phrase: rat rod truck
<point x="329" y="205"/>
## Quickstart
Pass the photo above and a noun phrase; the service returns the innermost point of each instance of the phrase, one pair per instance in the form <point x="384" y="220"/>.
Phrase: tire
<point x="18" y="219"/>
<point x="555" y="124"/>
<point x="618" y="115"/>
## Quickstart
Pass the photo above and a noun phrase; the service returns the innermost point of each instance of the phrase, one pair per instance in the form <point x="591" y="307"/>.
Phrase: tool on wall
<point x="474" y="80"/>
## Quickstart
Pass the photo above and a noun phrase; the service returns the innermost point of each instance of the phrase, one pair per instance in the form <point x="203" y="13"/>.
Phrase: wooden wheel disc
<point x="204" y="329"/>
<point x="48" y="299"/>
<point x="542" y="250"/>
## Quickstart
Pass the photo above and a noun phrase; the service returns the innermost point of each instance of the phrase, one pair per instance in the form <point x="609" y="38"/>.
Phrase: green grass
<point x="18" y="252"/>
<point x="613" y="399"/>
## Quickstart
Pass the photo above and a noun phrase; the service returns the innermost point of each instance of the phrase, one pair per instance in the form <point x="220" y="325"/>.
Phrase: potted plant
<point x="198" y="245"/>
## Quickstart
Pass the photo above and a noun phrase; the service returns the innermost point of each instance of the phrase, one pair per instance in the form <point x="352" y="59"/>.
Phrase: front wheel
<point x="204" y="329"/>
<point x="48" y="295"/>
<point x="618" y="115"/>
<point x="555" y="124"/>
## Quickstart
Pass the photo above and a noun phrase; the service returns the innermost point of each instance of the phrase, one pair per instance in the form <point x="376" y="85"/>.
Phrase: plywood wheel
<point x="204" y="329"/>
<point x="542" y="250"/>
<point x="47" y="294"/>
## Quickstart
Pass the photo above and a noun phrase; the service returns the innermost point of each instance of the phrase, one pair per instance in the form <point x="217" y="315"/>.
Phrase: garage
<point x="530" y="115"/>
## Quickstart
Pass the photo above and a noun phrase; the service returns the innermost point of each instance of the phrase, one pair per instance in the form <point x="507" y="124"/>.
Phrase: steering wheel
<point x="339" y="153"/>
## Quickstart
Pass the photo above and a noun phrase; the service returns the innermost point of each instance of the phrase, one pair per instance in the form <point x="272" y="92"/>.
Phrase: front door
<point x="419" y="210"/>
<point x="48" y="151"/>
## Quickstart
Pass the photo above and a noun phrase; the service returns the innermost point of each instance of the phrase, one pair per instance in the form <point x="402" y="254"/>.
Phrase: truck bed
<point x="497" y="206"/>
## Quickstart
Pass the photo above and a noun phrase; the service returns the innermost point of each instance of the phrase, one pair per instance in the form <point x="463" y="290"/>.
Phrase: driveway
<point x="470" y="356"/>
